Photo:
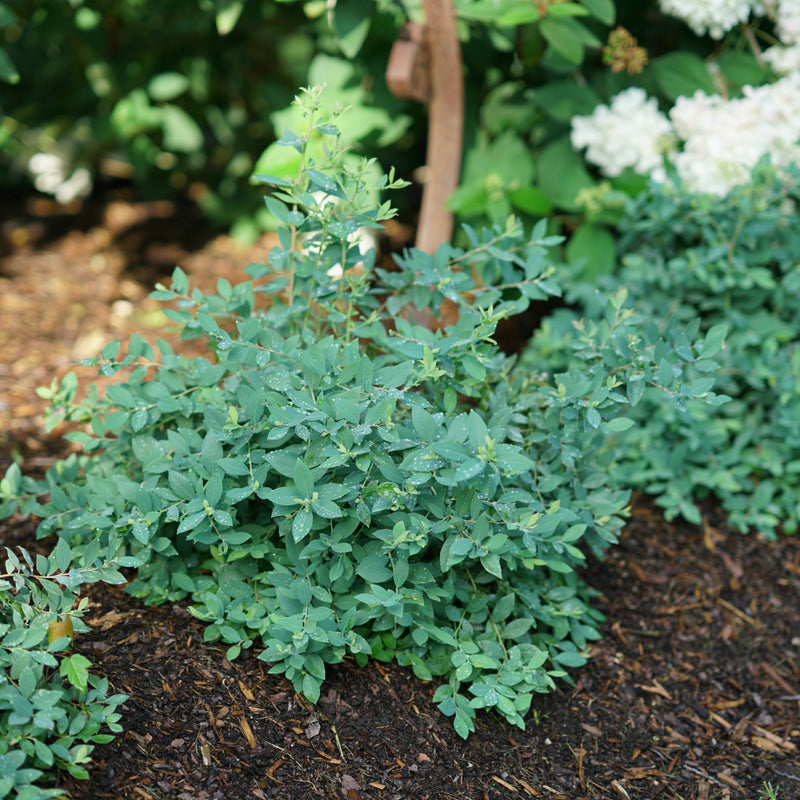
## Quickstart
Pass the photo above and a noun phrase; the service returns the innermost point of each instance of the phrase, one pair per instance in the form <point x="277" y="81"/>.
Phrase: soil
<point x="693" y="693"/>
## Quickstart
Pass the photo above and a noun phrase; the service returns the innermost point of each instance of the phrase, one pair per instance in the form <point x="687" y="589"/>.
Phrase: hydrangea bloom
<point x="783" y="59"/>
<point x="632" y="132"/>
<point x="715" y="17"/>
<point x="51" y="175"/>
<point x="724" y="139"/>
<point x="786" y="14"/>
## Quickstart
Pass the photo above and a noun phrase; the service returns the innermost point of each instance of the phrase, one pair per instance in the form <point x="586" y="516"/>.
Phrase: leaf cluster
<point x="728" y="270"/>
<point x="52" y="709"/>
<point x="337" y="480"/>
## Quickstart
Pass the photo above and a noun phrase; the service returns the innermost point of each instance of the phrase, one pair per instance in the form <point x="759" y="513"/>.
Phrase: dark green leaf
<point x="682" y="74"/>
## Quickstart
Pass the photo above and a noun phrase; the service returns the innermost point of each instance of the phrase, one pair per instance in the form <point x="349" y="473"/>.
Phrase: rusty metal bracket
<point x="408" y="73"/>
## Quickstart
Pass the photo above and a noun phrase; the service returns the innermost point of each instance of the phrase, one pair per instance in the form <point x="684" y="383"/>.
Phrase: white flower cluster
<point x="721" y="139"/>
<point x="715" y="17"/>
<point x="784" y="58"/>
<point x="51" y="175"/>
<point x="724" y="139"/>
<point x="631" y="133"/>
<point x="786" y="14"/>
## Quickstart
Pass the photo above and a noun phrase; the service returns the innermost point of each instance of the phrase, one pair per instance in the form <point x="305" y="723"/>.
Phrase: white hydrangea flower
<point x="783" y="59"/>
<point x="724" y="139"/>
<point x="51" y="175"/>
<point x="787" y="21"/>
<point x="631" y="132"/>
<point x="714" y="17"/>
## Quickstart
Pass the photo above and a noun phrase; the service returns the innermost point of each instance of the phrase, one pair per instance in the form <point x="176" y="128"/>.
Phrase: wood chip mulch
<point x="693" y="694"/>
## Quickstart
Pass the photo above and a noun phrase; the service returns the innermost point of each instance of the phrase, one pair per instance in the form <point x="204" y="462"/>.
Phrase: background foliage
<point x="186" y="97"/>
<point x="707" y="262"/>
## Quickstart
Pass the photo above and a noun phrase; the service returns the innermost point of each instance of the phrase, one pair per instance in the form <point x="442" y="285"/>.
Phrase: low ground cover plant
<point x="707" y="262"/>
<point x="52" y="710"/>
<point x="336" y="479"/>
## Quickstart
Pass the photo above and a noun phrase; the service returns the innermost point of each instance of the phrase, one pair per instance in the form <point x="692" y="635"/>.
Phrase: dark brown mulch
<point x="692" y="694"/>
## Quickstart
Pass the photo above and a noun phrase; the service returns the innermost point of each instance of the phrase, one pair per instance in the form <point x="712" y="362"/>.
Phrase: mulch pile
<point x="692" y="694"/>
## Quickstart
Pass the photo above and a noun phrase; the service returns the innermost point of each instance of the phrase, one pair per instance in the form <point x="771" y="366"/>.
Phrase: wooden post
<point x="446" y="125"/>
<point x="425" y="65"/>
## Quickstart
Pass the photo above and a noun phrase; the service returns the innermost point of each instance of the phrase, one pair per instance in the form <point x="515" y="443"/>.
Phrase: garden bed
<point x="693" y="692"/>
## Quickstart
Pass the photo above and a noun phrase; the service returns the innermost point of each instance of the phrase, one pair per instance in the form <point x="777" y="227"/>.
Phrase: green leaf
<point x="167" y="86"/>
<point x="517" y="628"/>
<point x="27" y="681"/>
<point x="504" y="607"/>
<point x="303" y="479"/>
<point x="181" y="133"/>
<point x="75" y="669"/>
<point x="520" y="14"/>
<point x="183" y="581"/>
<point x="530" y="200"/>
<point x="310" y="688"/>
<point x="280" y="162"/>
<point x="63" y="554"/>
<point x="619" y="424"/>
<point x="211" y="452"/>
<point x="424" y="424"/>
<point x="741" y="69"/>
<point x="570" y="659"/>
<point x="715" y="340"/>
<point x="562" y="174"/>
<point x="234" y="466"/>
<point x="491" y="564"/>
<point x="228" y="16"/>
<point x="373" y="568"/>
<point x="43" y="753"/>
<point x="351" y="24"/>
<point x="8" y="72"/>
<point x="604" y="10"/>
<point x="562" y="38"/>
<point x="301" y="524"/>
<point x="594" y="248"/>
<point x="562" y="100"/>
<point x="7" y="16"/>
<point x="567" y="9"/>
<point x="469" y="470"/>
<point x="327" y="509"/>
<point x="682" y="74"/>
